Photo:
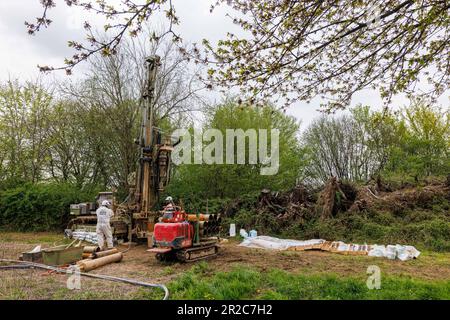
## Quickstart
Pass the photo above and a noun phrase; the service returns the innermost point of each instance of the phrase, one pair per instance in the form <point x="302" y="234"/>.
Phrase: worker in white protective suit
<point x="104" y="215"/>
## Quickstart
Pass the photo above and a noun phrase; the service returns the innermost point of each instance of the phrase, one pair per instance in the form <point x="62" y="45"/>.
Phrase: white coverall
<point x="103" y="227"/>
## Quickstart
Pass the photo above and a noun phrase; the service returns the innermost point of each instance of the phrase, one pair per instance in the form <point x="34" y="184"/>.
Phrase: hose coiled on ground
<point x="31" y="265"/>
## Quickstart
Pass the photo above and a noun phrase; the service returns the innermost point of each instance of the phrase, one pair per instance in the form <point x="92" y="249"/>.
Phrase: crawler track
<point x="197" y="253"/>
<point x="190" y="254"/>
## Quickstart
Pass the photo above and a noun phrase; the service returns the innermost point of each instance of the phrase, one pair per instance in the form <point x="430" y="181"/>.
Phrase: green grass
<point x="242" y="282"/>
<point x="33" y="238"/>
<point x="245" y="283"/>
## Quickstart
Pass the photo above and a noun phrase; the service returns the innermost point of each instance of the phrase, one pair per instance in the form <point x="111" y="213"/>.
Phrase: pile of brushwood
<point x="376" y="212"/>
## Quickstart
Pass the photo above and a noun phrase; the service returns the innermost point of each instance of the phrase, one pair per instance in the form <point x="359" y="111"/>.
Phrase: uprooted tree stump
<point x="300" y="195"/>
<point x="382" y="186"/>
<point x="334" y="197"/>
<point x="399" y="200"/>
<point x="326" y="204"/>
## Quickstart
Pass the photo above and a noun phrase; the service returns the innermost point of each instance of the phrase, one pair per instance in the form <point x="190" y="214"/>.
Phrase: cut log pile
<point x="93" y="258"/>
<point x="91" y="264"/>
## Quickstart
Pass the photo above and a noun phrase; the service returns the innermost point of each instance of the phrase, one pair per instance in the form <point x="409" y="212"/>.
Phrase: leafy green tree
<point x="24" y="135"/>
<point x="412" y="142"/>
<point x="71" y="156"/>
<point x="423" y="148"/>
<point x="226" y="180"/>
<point x="298" y="50"/>
<point x="351" y="147"/>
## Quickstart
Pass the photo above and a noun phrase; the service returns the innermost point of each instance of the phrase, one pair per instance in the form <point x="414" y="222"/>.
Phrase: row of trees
<point x="83" y="132"/>
<point x="413" y="142"/>
<point x="406" y="145"/>
<point x="86" y="137"/>
<point x="201" y="181"/>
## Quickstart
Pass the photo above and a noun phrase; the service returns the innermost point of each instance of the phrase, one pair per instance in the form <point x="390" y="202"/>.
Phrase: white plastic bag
<point x="391" y="252"/>
<point x="406" y="252"/>
<point x="243" y="233"/>
<point x="377" y="251"/>
<point x="36" y="249"/>
<point x="342" y="246"/>
<point x="232" y="230"/>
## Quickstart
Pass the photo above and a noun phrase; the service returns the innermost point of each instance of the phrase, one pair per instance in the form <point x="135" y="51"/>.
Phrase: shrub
<point x="39" y="207"/>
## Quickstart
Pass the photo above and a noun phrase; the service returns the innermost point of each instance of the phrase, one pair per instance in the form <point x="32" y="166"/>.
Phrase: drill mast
<point x="153" y="170"/>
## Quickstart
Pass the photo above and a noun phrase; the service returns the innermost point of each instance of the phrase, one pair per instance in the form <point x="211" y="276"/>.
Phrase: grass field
<point x="237" y="273"/>
<point x="245" y="283"/>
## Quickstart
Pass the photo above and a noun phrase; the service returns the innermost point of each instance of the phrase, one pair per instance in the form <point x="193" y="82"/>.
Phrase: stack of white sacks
<point x="400" y="252"/>
<point x="85" y="236"/>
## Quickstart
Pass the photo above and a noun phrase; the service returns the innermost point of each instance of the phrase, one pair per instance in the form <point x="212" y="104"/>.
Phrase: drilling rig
<point x="153" y="172"/>
<point x="185" y="237"/>
<point x="134" y="219"/>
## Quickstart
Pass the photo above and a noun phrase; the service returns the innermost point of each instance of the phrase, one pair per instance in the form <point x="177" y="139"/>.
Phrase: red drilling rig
<point x="176" y="235"/>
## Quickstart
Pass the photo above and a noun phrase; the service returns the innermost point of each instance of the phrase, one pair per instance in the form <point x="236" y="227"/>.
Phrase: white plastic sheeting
<point x="400" y="252"/>
<point x="265" y="242"/>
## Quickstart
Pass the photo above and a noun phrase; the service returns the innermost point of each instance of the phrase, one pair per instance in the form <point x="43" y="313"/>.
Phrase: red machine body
<point x="182" y="236"/>
<point x="175" y="235"/>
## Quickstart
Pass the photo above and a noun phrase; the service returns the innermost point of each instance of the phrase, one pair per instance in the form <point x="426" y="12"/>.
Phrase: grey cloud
<point x="51" y="41"/>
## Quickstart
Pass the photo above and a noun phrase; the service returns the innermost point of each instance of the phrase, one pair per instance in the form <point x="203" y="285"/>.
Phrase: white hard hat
<point x="105" y="203"/>
<point x="169" y="198"/>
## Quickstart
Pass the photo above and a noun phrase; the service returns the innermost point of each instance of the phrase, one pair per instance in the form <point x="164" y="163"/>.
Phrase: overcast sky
<point x="20" y="53"/>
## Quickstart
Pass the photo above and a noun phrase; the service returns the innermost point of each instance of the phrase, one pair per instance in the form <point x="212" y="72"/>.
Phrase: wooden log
<point x="101" y="254"/>
<point x="88" y="265"/>
<point x="87" y="255"/>
<point x="91" y="249"/>
<point x="84" y="260"/>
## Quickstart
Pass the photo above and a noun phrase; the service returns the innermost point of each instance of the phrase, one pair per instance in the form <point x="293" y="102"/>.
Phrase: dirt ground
<point x="141" y="265"/>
